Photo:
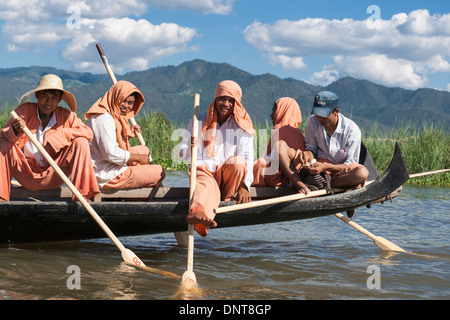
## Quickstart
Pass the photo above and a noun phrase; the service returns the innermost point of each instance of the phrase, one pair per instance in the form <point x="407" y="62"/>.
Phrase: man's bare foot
<point x="301" y="187"/>
<point x="200" y="217"/>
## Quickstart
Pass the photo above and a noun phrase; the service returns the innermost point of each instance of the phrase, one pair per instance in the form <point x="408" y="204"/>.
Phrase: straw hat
<point x="51" y="81"/>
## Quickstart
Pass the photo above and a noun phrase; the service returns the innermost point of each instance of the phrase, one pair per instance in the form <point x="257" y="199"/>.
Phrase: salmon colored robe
<point x="136" y="175"/>
<point x="287" y="118"/>
<point x="69" y="138"/>
<point x="223" y="183"/>
<point x="230" y="89"/>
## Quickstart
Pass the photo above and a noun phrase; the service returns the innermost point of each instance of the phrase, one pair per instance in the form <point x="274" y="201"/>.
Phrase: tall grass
<point x="4" y="115"/>
<point x="157" y="132"/>
<point x="424" y="149"/>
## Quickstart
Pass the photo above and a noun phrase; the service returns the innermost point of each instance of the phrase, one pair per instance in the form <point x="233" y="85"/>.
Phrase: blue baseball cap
<point x="324" y="103"/>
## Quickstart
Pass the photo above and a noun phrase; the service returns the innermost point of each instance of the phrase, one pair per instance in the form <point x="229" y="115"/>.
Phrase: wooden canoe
<point x="52" y="216"/>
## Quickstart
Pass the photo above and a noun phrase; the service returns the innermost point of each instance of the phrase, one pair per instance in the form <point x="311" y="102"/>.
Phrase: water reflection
<point x="320" y="258"/>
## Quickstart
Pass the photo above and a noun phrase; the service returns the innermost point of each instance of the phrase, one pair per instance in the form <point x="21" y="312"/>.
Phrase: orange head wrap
<point x="287" y="113"/>
<point x="287" y="117"/>
<point x="230" y="89"/>
<point x="111" y="102"/>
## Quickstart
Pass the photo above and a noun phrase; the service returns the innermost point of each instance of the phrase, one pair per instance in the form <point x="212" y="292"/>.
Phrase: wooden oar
<point x="114" y="81"/>
<point x="415" y="175"/>
<point x="189" y="275"/>
<point x="182" y="235"/>
<point x="128" y="255"/>
<point x="259" y="203"/>
<point x="379" y="241"/>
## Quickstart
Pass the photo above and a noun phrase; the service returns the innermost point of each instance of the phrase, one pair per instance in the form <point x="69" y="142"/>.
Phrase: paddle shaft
<point x="77" y="194"/>
<point x="379" y="241"/>
<point x="299" y="196"/>
<point x="292" y="197"/>
<point x="114" y="81"/>
<point x="415" y="175"/>
<point x="193" y="181"/>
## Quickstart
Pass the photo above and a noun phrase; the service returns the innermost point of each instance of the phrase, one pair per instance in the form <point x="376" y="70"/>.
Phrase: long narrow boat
<point x="52" y="216"/>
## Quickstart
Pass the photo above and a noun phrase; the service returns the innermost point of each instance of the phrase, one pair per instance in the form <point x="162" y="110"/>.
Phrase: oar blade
<point x="387" y="245"/>
<point x="189" y="277"/>
<point x="130" y="258"/>
<point x="188" y="289"/>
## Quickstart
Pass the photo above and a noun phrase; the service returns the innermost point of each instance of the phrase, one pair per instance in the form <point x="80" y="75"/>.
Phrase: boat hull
<point x="28" y="221"/>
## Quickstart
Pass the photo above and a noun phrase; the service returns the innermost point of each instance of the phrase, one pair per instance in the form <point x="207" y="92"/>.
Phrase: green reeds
<point x="160" y="137"/>
<point x="424" y="149"/>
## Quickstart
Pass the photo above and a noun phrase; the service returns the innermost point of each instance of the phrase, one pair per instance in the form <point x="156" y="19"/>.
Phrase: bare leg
<point x="354" y="177"/>
<point x="286" y="155"/>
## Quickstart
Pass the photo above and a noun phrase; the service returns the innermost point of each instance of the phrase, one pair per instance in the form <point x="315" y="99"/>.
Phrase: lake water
<point x="314" y="259"/>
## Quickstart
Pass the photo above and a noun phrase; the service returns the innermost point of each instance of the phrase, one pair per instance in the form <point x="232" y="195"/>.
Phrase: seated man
<point x="332" y="139"/>
<point x="64" y="136"/>
<point x="286" y="117"/>
<point x="118" y="165"/>
<point x="225" y="156"/>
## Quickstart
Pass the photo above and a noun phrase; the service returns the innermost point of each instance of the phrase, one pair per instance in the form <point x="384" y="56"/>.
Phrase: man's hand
<point x="195" y="142"/>
<point x="318" y="167"/>
<point x="306" y="157"/>
<point x="18" y="125"/>
<point x="243" y="195"/>
<point x="135" y="129"/>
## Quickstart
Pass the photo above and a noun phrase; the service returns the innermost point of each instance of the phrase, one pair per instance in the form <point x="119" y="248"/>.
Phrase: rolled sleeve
<point x="106" y="141"/>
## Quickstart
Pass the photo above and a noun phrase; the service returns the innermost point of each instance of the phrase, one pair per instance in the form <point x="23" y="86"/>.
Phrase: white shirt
<point x="108" y="159"/>
<point x="231" y="140"/>
<point x="30" y="149"/>
<point x="342" y="147"/>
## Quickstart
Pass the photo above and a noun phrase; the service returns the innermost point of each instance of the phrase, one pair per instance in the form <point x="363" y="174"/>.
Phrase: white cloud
<point x="420" y="22"/>
<point x="400" y="51"/>
<point x="31" y="25"/>
<point x="30" y="36"/>
<point x="380" y="68"/>
<point x="204" y="6"/>
<point x="287" y="62"/>
<point x="129" y="44"/>
<point x="26" y="10"/>
<point x="437" y="64"/>
<point x="324" y="77"/>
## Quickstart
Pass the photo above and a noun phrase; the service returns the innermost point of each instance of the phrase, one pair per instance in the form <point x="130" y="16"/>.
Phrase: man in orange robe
<point x="225" y="156"/>
<point x="118" y="165"/>
<point x="64" y="136"/>
<point x="286" y="117"/>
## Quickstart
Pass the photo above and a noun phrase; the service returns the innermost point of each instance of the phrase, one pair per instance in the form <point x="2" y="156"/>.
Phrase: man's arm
<point x="319" y="167"/>
<point x="106" y="140"/>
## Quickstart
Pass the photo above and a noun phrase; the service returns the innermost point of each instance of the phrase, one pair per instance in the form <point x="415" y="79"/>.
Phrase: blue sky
<point x="402" y="43"/>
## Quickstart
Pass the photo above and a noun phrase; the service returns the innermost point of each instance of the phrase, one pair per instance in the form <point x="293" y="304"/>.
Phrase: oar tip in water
<point x="130" y="258"/>
<point x="189" y="289"/>
<point x="387" y="245"/>
<point x="189" y="277"/>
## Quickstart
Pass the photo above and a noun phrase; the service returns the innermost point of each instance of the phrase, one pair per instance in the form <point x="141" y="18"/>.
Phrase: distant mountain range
<point x="171" y="90"/>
